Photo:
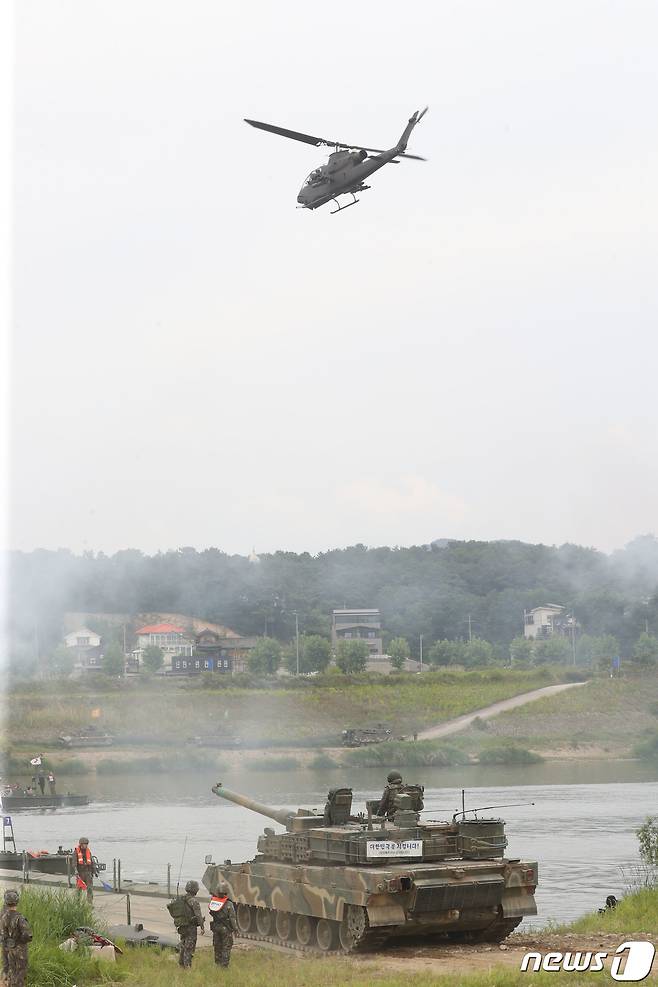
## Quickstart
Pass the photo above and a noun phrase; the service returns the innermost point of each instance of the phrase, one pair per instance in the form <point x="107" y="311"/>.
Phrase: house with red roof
<point x="171" y="638"/>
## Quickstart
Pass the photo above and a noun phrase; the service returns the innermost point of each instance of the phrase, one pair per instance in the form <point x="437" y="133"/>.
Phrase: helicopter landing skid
<point x="362" y="188"/>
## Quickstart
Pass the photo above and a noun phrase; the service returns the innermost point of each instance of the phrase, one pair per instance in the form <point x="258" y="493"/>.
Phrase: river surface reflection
<point x="581" y="827"/>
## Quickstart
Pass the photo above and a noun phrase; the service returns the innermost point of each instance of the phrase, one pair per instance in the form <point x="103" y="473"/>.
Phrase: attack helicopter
<point x="348" y="165"/>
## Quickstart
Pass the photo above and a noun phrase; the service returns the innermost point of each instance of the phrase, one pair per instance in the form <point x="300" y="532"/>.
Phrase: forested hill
<point x="429" y="590"/>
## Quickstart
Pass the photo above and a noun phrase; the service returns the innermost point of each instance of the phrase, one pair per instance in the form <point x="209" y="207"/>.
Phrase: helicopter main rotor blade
<point x="308" y="138"/>
<point x="292" y="134"/>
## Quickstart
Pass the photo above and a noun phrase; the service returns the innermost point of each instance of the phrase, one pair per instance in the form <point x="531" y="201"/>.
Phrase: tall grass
<point x="638" y="912"/>
<point x="53" y="915"/>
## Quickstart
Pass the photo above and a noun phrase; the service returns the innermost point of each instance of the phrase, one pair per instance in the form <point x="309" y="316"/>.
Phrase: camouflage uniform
<point x="223" y="924"/>
<point x="188" y="932"/>
<point x="15" y="934"/>
<point x="387" y="801"/>
<point x="5" y="959"/>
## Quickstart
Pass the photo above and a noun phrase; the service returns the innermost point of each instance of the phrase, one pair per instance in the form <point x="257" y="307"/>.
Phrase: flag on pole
<point x="36" y="761"/>
<point x="80" y="884"/>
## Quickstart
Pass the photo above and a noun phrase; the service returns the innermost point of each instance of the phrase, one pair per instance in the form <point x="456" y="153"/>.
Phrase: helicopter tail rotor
<point x="406" y="134"/>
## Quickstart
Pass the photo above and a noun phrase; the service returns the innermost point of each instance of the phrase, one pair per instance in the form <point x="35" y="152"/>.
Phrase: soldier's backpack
<point x="182" y="912"/>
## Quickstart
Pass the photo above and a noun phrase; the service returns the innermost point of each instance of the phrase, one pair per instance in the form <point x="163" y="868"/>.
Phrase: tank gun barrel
<point x="281" y="815"/>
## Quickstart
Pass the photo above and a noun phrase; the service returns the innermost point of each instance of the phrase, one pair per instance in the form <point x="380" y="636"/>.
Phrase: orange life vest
<point x="83" y="857"/>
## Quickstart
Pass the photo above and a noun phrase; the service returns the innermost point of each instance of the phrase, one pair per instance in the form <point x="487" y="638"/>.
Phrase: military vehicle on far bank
<point x="335" y="880"/>
<point x="362" y="736"/>
<point x="87" y="737"/>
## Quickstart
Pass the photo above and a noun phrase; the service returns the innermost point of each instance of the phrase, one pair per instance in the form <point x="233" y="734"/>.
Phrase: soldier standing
<point x="393" y="788"/>
<point x="51" y="783"/>
<point x="186" y="913"/>
<point x="15" y="934"/>
<point x="85" y="866"/>
<point x="223" y="924"/>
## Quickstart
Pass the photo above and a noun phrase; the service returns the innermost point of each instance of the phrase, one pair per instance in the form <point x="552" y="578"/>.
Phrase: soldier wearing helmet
<point x="223" y="924"/>
<point x="86" y="867"/>
<point x="15" y="934"/>
<point x="393" y="788"/>
<point x="188" y="919"/>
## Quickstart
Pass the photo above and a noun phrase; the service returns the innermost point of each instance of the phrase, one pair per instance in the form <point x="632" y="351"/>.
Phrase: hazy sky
<point x="470" y="352"/>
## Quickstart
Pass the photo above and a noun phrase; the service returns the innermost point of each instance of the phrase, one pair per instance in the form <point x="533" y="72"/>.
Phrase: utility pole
<point x="421" y="652"/>
<point x="573" y="636"/>
<point x="297" y="638"/>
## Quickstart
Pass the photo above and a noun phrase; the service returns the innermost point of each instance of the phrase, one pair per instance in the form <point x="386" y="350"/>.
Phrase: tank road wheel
<point x="264" y="921"/>
<point x="354" y="927"/>
<point x="245" y="918"/>
<point x="326" y="934"/>
<point x="284" y="925"/>
<point x="304" y="929"/>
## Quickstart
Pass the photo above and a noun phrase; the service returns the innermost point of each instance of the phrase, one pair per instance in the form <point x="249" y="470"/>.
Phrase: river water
<point x="581" y="827"/>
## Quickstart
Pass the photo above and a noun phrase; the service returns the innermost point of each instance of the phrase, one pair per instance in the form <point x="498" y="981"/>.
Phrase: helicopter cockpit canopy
<point x="315" y="178"/>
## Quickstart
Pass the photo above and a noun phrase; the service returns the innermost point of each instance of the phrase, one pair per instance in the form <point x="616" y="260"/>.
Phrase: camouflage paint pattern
<point x="456" y="881"/>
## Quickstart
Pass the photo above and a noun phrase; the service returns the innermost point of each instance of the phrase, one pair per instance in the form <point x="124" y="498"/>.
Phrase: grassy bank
<point x="615" y="715"/>
<point x="637" y="912"/>
<point x="165" y="713"/>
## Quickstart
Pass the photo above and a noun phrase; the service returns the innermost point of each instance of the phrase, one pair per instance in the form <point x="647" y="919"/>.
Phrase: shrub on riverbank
<point x="323" y="762"/>
<point x="647" y="749"/>
<point x="508" y="753"/>
<point x="425" y="753"/>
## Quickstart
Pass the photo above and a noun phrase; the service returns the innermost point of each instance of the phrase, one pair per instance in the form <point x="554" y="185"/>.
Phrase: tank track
<point x="371" y="942"/>
<point x="498" y="931"/>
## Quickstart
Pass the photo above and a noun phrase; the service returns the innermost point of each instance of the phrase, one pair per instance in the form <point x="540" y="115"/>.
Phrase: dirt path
<point x="461" y="722"/>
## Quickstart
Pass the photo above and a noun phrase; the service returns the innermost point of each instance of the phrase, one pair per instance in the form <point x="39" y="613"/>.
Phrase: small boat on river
<point x="18" y="801"/>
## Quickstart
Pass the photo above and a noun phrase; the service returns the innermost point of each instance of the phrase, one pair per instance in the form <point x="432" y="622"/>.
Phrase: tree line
<point x="441" y="591"/>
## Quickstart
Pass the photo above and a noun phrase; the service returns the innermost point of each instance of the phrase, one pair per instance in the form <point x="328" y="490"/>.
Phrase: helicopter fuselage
<point x="344" y="172"/>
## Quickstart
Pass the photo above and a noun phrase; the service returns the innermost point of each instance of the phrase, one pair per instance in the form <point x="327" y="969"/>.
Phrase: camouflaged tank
<point x="336" y="880"/>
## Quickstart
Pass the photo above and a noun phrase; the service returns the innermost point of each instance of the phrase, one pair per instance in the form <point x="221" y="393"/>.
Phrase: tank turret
<point x="335" y="878"/>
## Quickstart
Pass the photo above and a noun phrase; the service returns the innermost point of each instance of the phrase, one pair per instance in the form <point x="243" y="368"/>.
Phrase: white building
<point x="170" y="638"/>
<point x="83" y="638"/>
<point x="542" y="622"/>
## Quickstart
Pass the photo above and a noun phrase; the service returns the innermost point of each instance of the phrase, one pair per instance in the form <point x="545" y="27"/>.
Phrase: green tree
<point x="647" y="835"/>
<point x="521" y="649"/>
<point x="265" y="656"/>
<point x="446" y="652"/>
<point x="398" y="651"/>
<point x="477" y="652"/>
<point x="314" y="654"/>
<point x="352" y="656"/>
<point x="152" y="657"/>
<point x="114" y="662"/>
<point x="553" y="649"/>
<point x="645" y="651"/>
<point x="317" y="653"/>
<point x="63" y="660"/>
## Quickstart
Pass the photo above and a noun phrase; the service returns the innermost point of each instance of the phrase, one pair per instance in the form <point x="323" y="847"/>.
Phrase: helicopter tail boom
<point x="406" y="134"/>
